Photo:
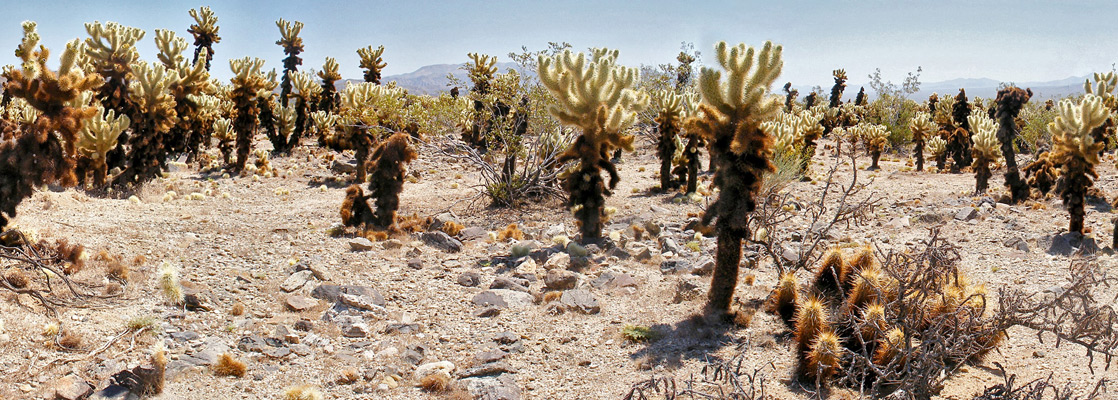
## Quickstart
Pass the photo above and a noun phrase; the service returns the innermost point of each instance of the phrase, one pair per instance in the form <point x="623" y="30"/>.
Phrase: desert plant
<point x="790" y="95"/>
<point x="187" y="83"/>
<point x="959" y="143"/>
<point x="596" y="97"/>
<point x="372" y="63"/>
<point x="1104" y="86"/>
<point x="1076" y="152"/>
<point x="730" y="119"/>
<point x="669" y="106"/>
<point x="226" y="137"/>
<point x="861" y="99"/>
<point x="389" y="161"/>
<point x="204" y="29"/>
<point x="837" y="89"/>
<point x="938" y="147"/>
<point x="481" y="74"/>
<point x="292" y="46"/>
<point x="329" y="100"/>
<point x="247" y="82"/>
<point x="45" y="152"/>
<point x="986" y="149"/>
<point x="367" y="109"/>
<point x="922" y="128"/>
<point x="111" y="51"/>
<point x="683" y="73"/>
<point x="99" y="136"/>
<point x="1009" y="103"/>
<point x="308" y="90"/>
<point x="875" y="138"/>
<point x="154" y="117"/>
<point x="1042" y="174"/>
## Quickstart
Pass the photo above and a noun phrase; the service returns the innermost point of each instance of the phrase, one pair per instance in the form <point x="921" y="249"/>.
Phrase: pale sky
<point x="1017" y="41"/>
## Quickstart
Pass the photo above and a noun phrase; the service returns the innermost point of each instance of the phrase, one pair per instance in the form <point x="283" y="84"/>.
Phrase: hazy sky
<point x="1017" y="41"/>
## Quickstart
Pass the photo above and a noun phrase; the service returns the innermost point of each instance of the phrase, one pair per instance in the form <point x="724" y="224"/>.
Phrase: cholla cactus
<point x="669" y="106"/>
<point x="372" y="63"/>
<point x="875" y="138"/>
<point x="204" y="29"/>
<point x="959" y="141"/>
<point x="307" y="90"/>
<point x="292" y="46"/>
<point x="111" y="51"/>
<point x="730" y="119"/>
<point x="365" y="105"/>
<point x="938" y="147"/>
<point x="389" y="161"/>
<point x="45" y="152"/>
<point x="986" y="149"/>
<point x="1009" y="103"/>
<point x="794" y="134"/>
<point x="185" y="137"/>
<point x="329" y="99"/>
<point x="226" y="136"/>
<point x="837" y="89"/>
<point x="323" y="124"/>
<point x="922" y="128"/>
<point x="99" y="136"/>
<point x="1104" y="88"/>
<point x="1076" y="152"/>
<point x="155" y="116"/>
<point x="248" y="82"/>
<point x="481" y="73"/>
<point x="285" y="123"/>
<point x="596" y="96"/>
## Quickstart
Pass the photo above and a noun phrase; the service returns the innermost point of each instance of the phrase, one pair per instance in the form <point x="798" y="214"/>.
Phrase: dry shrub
<point x="118" y="271"/>
<point x="435" y="383"/>
<point x="348" y="377"/>
<point x="238" y="309"/>
<point x="226" y="365"/>
<point x="303" y="392"/>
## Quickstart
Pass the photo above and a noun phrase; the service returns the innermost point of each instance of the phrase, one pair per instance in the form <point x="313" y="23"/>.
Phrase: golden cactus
<point x="248" y="81"/>
<point x="596" y="96"/>
<point x="226" y="136"/>
<point x="669" y="109"/>
<point x="875" y="138"/>
<point x="98" y="136"/>
<point x="204" y="29"/>
<point x="986" y="148"/>
<point x="1076" y="152"/>
<point x="922" y="127"/>
<point x="832" y="273"/>
<point x="811" y="318"/>
<point x="372" y="63"/>
<point x="785" y="297"/>
<point x="888" y="347"/>
<point x="292" y="46"/>
<point x="730" y="120"/>
<point x="938" y="147"/>
<point x="329" y="99"/>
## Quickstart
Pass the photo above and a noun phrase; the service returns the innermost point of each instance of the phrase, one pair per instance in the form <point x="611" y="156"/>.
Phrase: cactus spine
<point x="730" y="119"/>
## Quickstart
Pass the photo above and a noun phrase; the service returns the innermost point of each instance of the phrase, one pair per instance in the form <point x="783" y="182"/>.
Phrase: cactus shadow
<point x="1099" y="204"/>
<point x="697" y="337"/>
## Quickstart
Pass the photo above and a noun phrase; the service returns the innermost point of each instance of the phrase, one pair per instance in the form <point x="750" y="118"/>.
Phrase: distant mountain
<point x="432" y="79"/>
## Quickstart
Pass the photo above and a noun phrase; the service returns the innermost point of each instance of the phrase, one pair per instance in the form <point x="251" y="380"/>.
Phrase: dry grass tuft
<point x="226" y="365"/>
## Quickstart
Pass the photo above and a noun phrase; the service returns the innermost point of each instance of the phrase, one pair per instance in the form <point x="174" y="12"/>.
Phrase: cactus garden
<point x="307" y="218"/>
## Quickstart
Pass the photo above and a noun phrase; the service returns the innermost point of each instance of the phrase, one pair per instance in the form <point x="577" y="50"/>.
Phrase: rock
<point x="1017" y="243"/>
<point x="898" y="223"/>
<point x="442" y="368"/>
<point x="706" y="267"/>
<point x="277" y="352"/>
<point x="675" y="267"/>
<point x="415" y="263"/>
<point x="71" y="387"/>
<point x="559" y="279"/>
<point x="317" y="269"/>
<point x="581" y="301"/>
<point x="790" y="254"/>
<point x="469" y="279"/>
<point x="514" y="299"/>
<point x="301" y="350"/>
<point x="473" y="233"/>
<point x="557" y="260"/>
<point x="1069" y="243"/>
<point x="488" y="311"/>
<point x="356" y="330"/>
<point x="441" y="219"/>
<point x="502" y="387"/>
<point x="687" y="288"/>
<point x="966" y="214"/>
<point x="363" y="302"/>
<point x="300" y="303"/>
<point x="392" y="244"/>
<point x="528" y="266"/>
<point x="506" y="338"/>
<point x="621" y="281"/>
<point x="489" y="298"/>
<point x="360" y="244"/>
<point x="489" y="356"/>
<point x="501" y="282"/>
<point x="555" y="230"/>
<point x="440" y="240"/>
<point x="185" y="336"/>
<point x="343" y="166"/>
<point x="401" y="328"/>
<point x="253" y="343"/>
<point x="296" y="280"/>
<point x="643" y="255"/>
<point x="618" y="252"/>
<point x="667" y="244"/>
<point x="304" y="325"/>
<point x="493" y="368"/>
<point x="332" y="293"/>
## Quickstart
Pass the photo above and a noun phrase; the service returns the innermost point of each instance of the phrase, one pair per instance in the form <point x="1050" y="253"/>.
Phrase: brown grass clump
<point x="452" y="228"/>
<point x="139" y="260"/>
<point x="70" y="341"/>
<point x="376" y="236"/>
<point x="303" y="392"/>
<point x="435" y="383"/>
<point x="238" y="309"/>
<point x="226" y="365"/>
<point x="117" y="270"/>
<point x="17" y="278"/>
<point x="552" y="296"/>
<point x="510" y="232"/>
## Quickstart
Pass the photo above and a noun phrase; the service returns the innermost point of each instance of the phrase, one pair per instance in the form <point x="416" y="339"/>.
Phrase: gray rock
<point x="675" y="267"/>
<point x="296" y="280"/>
<point x="343" y="166"/>
<point x="415" y="263"/>
<point x="300" y="303"/>
<point x="557" y="260"/>
<point x="643" y="255"/>
<point x="618" y="252"/>
<point x="1069" y="243"/>
<point x="356" y="330"/>
<point x="966" y="214"/>
<point x="473" y="233"/>
<point x="392" y="244"/>
<point x="555" y="230"/>
<point x="304" y="325"/>
<point x="253" y="343"/>
<point x="506" y="338"/>
<point x="559" y="279"/>
<point x="363" y="302"/>
<point x="301" y="350"/>
<point x="277" y="352"/>
<point x="501" y="282"/>
<point x="360" y="244"/>
<point x="502" y="387"/>
<point x="332" y="293"/>
<point x="490" y="298"/>
<point x="493" y="368"/>
<point x="580" y="301"/>
<point x="317" y="269"/>
<point x="401" y="328"/>
<point x="1017" y="243"/>
<point x="667" y="244"/>
<point x="622" y="281"/>
<point x="706" y="267"/>
<point x="514" y="299"/>
<point x="469" y="279"/>
<point x="898" y="223"/>
<point x="71" y="387"/>
<point x="489" y="356"/>
<point x="488" y="311"/>
<point x="185" y="336"/>
<point x="440" y="240"/>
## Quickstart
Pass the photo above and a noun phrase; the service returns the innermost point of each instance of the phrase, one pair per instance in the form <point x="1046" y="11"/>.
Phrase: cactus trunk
<point x="874" y="155"/>
<point x="1010" y="101"/>
<point x="1074" y="193"/>
<point x="981" y="175"/>
<point x="919" y="155"/>
<point x="587" y="191"/>
<point x="725" y="277"/>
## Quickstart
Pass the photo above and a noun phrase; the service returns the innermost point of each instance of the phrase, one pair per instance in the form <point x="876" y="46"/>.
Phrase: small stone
<point x="300" y="303"/>
<point x="489" y="298"/>
<point x="185" y="336"/>
<point x="557" y="260"/>
<point x="415" y="263"/>
<point x="392" y="244"/>
<point x="501" y="282"/>
<point x="363" y="302"/>
<point x="668" y="244"/>
<point x="502" y="387"/>
<point x="277" y="352"/>
<point x="71" y="387"/>
<point x="331" y="293"/>
<point x="304" y="325"/>
<point x="581" y="301"/>
<point x="489" y="356"/>
<point x="440" y="240"/>
<point x="443" y="368"/>
<point x="643" y="255"/>
<point x="473" y="233"/>
<point x="966" y="214"/>
<point x="618" y="252"/>
<point x="558" y="279"/>
<point x="296" y="280"/>
<point x="488" y="311"/>
<point x="898" y="223"/>
<point x="1039" y="354"/>
<point x="706" y="267"/>
<point x="356" y="330"/>
<point x="360" y="244"/>
<point x="675" y="267"/>
<point x="469" y="279"/>
<point x="494" y="368"/>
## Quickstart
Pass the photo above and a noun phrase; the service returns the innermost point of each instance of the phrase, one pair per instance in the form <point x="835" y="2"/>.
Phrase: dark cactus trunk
<point x="981" y="175"/>
<point x="725" y="277"/>
<point x="587" y="190"/>
<point x="1074" y="191"/>
<point x="874" y="155"/>
<point x="267" y="120"/>
<point x="941" y="161"/>
<point x="300" y="124"/>
<point x="1010" y="101"/>
<point x="919" y="155"/>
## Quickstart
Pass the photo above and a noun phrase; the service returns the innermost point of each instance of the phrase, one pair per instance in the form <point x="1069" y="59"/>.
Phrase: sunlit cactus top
<point x="246" y="71"/>
<point x="285" y="120"/>
<point x="150" y="91"/>
<point x="1104" y="84"/>
<point x="306" y="86"/>
<point x="99" y="134"/>
<point x="596" y="95"/>
<point x="921" y="125"/>
<point x="111" y="47"/>
<point x="738" y="105"/>
<point x="483" y="68"/>
<point x="1071" y="131"/>
<point x="986" y="144"/>
<point x="289" y="36"/>
<point x="170" y="47"/>
<point x="372" y="62"/>
<point x="330" y="70"/>
<point x="204" y="26"/>
<point x="669" y="103"/>
<point x="46" y="91"/>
